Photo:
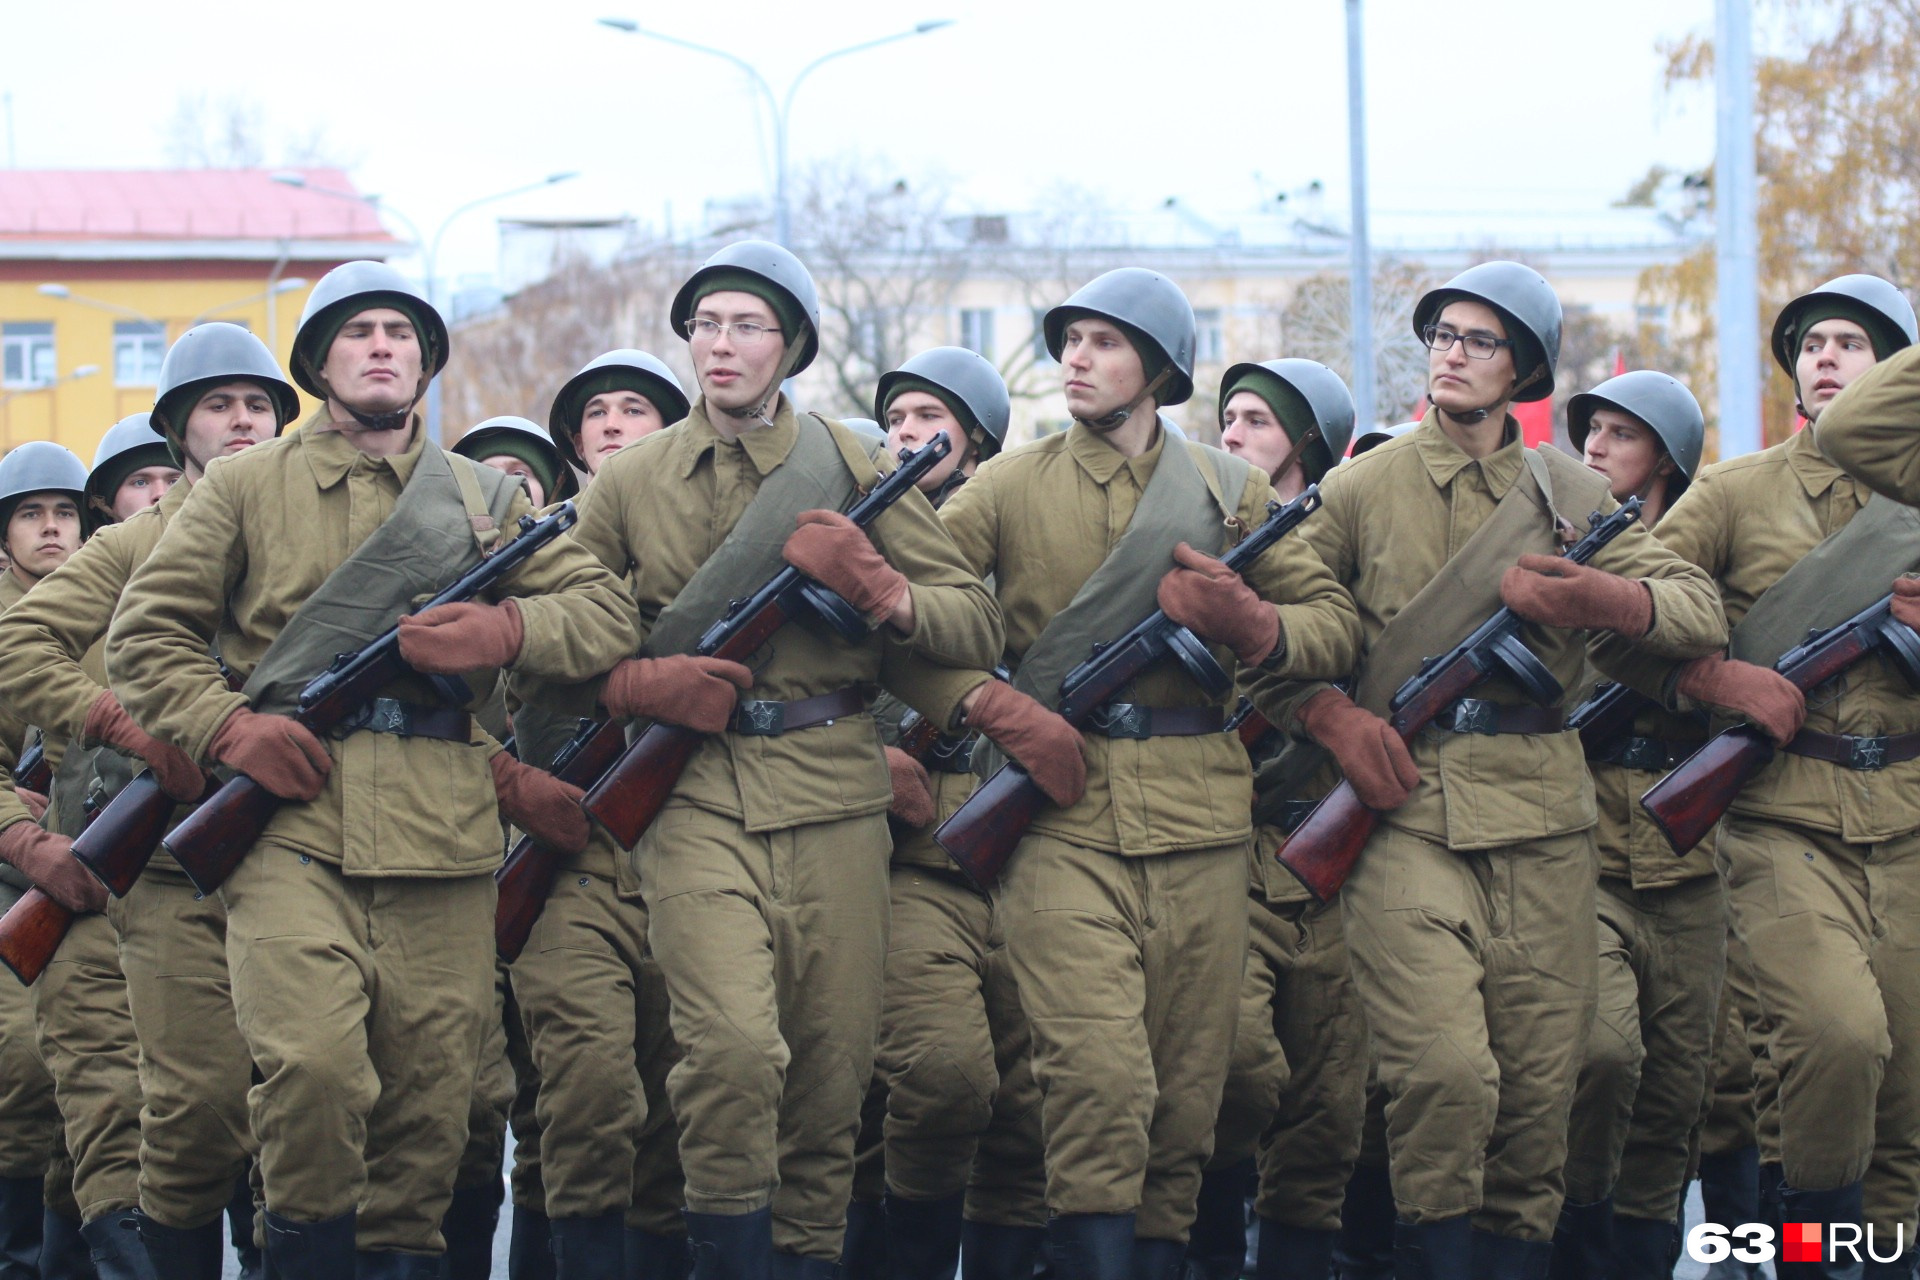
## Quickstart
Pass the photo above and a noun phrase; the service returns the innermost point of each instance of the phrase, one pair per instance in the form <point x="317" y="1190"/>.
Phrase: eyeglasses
<point x="745" y="333"/>
<point x="1479" y="345"/>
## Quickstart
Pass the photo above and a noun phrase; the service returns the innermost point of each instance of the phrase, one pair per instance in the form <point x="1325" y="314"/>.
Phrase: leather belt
<point x="1477" y="715"/>
<point x="950" y="754"/>
<point x="771" y="719"/>
<point x="1131" y="720"/>
<point x="1649" y="755"/>
<point x="1294" y="812"/>
<point x="1863" y="755"/>
<point x="408" y="720"/>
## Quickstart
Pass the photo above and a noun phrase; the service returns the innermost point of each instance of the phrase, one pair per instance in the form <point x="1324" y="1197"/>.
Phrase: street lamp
<point x="782" y="107"/>
<point x="65" y="294"/>
<point x="288" y="285"/>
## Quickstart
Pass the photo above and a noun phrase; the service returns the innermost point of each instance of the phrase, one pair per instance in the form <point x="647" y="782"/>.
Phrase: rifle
<point x="1606" y="717"/>
<point x="213" y="839"/>
<point x="30" y="932"/>
<point x="983" y="833"/>
<point x="33" y="772"/>
<point x="526" y="878"/>
<point x="1689" y="801"/>
<point x="1322" y="850"/>
<point x="631" y="794"/>
<point x="1251" y="727"/>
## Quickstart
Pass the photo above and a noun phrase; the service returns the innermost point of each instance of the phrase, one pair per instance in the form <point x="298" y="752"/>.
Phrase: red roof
<point x="181" y="204"/>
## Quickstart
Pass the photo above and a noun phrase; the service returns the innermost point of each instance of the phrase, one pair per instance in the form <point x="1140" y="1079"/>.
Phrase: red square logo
<point x="1800" y="1242"/>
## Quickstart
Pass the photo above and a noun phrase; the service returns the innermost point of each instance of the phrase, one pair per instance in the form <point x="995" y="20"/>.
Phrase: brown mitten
<point x="178" y="776"/>
<point x="1043" y="743"/>
<point x="912" y="789"/>
<point x="699" y="693"/>
<point x="1203" y="595"/>
<point x="1556" y="592"/>
<point x="1906" y="601"/>
<point x="278" y="752"/>
<point x="1368" y="751"/>
<point x="35" y="802"/>
<point x="457" y="638"/>
<point x="1761" y="696"/>
<point x="540" y="804"/>
<point x="48" y="861"/>
<point x="836" y="553"/>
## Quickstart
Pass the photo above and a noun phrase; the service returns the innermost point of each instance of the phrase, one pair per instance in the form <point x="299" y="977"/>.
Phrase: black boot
<point x="22" y="1201"/>
<point x="1505" y="1258"/>
<point x="1841" y="1204"/>
<point x="1730" y="1196"/>
<point x="731" y="1246"/>
<point x="1159" y="1259"/>
<point x="310" y="1250"/>
<point x="923" y="1237"/>
<point x="471" y="1219"/>
<point x="1901" y="1268"/>
<point x="1091" y="1246"/>
<point x="1644" y="1249"/>
<point x="1434" y="1250"/>
<point x="590" y="1248"/>
<point x="1293" y="1253"/>
<point x="1770" y="1182"/>
<point x="1365" y="1249"/>
<point x="529" y="1246"/>
<point x="114" y="1241"/>
<point x="794" y="1266"/>
<point x="194" y="1253"/>
<point x="240" y="1230"/>
<point x="989" y="1251"/>
<point x="863" y="1253"/>
<point x="1583" y="1242"/>
<point x="1217" y="1245"/>
<point x="383" y="1265"/>
<point x="657" y="1257"/>
<point x="63" y="1250"/>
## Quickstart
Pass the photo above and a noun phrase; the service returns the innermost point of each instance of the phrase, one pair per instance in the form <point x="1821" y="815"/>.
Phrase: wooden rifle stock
<point x="34" y="772"/>
<point x="980" y="837"/>
<point x="1689" y="802"/>
<point x="526" y="878"/>
<point x="30" y="932"/>
<point x="120" y="840"/>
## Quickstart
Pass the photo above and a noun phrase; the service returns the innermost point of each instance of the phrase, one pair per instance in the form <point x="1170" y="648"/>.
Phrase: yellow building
<point x="100" y="270"/>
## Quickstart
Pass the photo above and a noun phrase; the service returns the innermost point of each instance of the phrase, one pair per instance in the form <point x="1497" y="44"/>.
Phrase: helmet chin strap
<point x="1113" y="421"/>
<point x="1473" y="417"/>
<point x="758" y="412"/>
<point x="392" y="420"/>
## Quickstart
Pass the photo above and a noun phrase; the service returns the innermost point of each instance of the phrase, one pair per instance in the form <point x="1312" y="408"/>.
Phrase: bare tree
<point x="1317" y="324"/>
<point x="1047" y="254"/>
<point x="233" y="131"/>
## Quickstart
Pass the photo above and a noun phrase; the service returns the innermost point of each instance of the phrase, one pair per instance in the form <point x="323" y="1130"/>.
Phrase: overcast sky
<point x="1488" y="104"/>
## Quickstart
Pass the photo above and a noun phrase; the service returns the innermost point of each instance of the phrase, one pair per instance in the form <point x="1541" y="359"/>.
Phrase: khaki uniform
<point x="765" y="876"/>
<point x="1470" y="916"/>
<point x="1125" y="913"/>
<point x="1868" y="430"/>
<point x="194" y="1067"/>
<point x="359" y="931"/>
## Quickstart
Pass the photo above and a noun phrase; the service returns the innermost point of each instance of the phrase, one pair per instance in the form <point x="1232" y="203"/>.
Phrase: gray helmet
<point x="865" y="428"/>
<point x="1172" y="428"/>
<point x="1147" y="304"/>
<point x="1878" y="296"/>
<point x="509" y="434"/>
<point x="207" y="356"/>
<point x="39" y="466"/>
<point x="1657" y="399"/>
<point x="974" y="388"/>
<point x="344" y="292"/>
<point x="129" y="445"/>
<point x="1523" y="298"/>
<point x="771" y="263"/>
<point x="656" y="383"/>
<point x="1327" y="399"/>
<point x="1374" y="437"/>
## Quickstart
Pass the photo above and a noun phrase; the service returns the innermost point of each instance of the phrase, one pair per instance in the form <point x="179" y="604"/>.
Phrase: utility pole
<point x="1361" y="265"/>
<point x="1736" y="247"/>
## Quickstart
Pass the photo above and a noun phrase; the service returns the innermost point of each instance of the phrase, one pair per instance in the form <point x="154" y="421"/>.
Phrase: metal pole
<point x="1736" y="250"/>
<point x="1361" y="266"/>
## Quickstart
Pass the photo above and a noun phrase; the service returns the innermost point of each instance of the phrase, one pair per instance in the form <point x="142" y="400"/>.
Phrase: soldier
<point x="1819" y="849"/>
<point x="520" y="448"/>
<point x="765" y="875"/>
<point x="219" y="391"/>
<point x="1470" y="916"/>
<point x="1124" y="907"/>
<point x="591" y="997"/>
<point x="132" y="471"/>
<point x="1295" y="1089"/>
<point x="359" y="929"/>
<point x="1662" y="919"/>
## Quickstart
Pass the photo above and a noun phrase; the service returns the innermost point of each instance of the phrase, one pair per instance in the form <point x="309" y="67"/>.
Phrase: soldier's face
<point x="375" y="361"/>
<point x="226" y="420"/>
<point x="507" y="463"/>
<point x="1101" y="369"/>
<point x="1458" y="383"/>
<point x="42" y="532"/>
<point x="1625" y="451"/>
<point x="610" y="422"/>
<point x="141" y="489"/>
<point x="1832" y="354"/>
<point x="735" y="374"/>
<point x="1250" y="429"/>
<point x="915" y="418"/>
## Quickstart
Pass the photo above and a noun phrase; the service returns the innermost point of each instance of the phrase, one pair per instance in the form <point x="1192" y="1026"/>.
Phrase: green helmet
<point x="865" y="428"/>
<point x="966" y="381"/>
<point x="343" y="293"/>
<point x="767" y="265"/>
<point x="1148" y="306"/>
<point x="1318" y="389"/>
<point x="638" y="371"/>
<point x="1878" y="304"/>
<point x="211" y="355"/>
<point x="1373" y="437"/>
<point x="528" y="441"/>
<point x="1524" y="300"/>
<point x="129" y="445"/>
<point x="39" y="466"/>
<point x="1659" y="400"/>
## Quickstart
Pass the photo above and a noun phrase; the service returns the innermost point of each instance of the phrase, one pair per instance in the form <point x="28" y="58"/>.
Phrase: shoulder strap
<point x="1837" y="579"/>
<point x="480" y="512"/>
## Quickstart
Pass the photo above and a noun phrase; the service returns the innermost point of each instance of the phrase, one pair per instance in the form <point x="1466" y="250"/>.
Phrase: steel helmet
<point x="39" y="466"/>
<point x="1659" y="400"/>
<point x="1326" y="396"/>
<point x="1147" y="305"/>
<point x="520" y="437"/>
<point x="648" y="375"/>
<point x="209" y="355"/>
<point x="972" y="388"/>
<point x="865" y="428"/>
<point x="128" y="445"/>
<point x="1524" y="300"/>
<point x="773" y="265"/>
<point x="344" y="292"/>
<point x="1374" y="437"/>
<point x="1878" y="297"/>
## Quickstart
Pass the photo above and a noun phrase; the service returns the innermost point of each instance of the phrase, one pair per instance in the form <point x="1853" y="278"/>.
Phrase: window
<point x="976" y="330"/>
<point x="1210" y="336"/>
<point x="1040" y="353"/>
<point x="28" y="348"/>
<point x="138" y="348"/>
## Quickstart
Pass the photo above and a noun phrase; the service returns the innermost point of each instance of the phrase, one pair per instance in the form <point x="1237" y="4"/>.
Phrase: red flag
<point x="1619" y="362"/>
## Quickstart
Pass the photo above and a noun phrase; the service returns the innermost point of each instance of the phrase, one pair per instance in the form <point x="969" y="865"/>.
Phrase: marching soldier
<point x="359" y="929"/>
<point x="765" y="875"/>
<point x="1124" y="906"/>
<point x="615" y="400"/>
<point x="132" y="470"/>
<point x="520" y="448"/>
<point x="1663" y="919"/>
<point x="219" y="392"/>
<point x="1470" y="916"/>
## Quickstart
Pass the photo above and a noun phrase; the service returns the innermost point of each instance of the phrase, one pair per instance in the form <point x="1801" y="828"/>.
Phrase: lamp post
<point x="288" y="285"/>
<point x="64" y="294"/>
<point x="782" y="107"/>
<point x="1361" y="286"/>
<point x="72" y="375"/>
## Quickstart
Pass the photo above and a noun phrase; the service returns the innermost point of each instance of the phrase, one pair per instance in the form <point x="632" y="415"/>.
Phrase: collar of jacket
<point x="1103" y="462"/>
<point x="1445" y="459"/>
<point x="765" y="447"/>
<point x="330" y="455"/>
<point x="1809" y="465"/>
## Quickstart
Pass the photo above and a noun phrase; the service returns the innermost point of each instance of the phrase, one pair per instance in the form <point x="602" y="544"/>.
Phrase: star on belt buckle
<point x="1122" y="720"/>
<point x="1869" y="755"/>
<point x="761" y="719"/>
<point x="1473" y="715"/>
<point x="382" y="715"/>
